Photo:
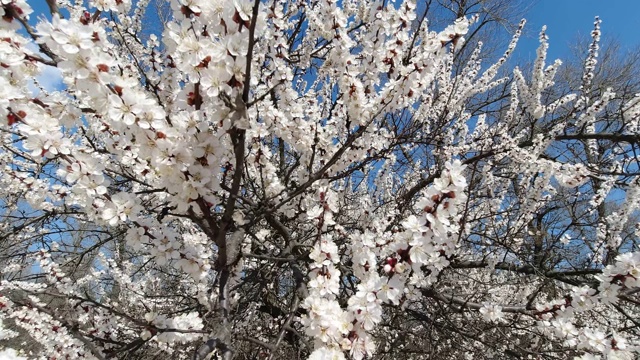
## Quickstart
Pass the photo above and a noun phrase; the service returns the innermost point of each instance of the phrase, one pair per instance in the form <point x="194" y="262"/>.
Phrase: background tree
<point x="313" y="180"/>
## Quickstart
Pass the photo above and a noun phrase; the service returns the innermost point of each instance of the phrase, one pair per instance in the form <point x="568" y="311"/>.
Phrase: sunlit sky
<point x="566" y="20"/>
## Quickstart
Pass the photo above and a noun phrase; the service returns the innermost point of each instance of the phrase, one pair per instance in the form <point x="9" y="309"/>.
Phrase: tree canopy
<point x="312" y="179"/>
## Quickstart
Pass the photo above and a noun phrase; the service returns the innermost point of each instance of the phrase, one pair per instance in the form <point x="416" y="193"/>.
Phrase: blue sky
<point x="566" y="20"/>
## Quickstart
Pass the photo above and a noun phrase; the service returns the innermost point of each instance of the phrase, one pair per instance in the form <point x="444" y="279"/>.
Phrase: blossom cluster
<point x="427" y="242"/>
<point x="616" y="280"/>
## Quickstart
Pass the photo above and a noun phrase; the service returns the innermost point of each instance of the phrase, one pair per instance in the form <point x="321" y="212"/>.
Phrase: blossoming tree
<point x="307" y="179"/>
